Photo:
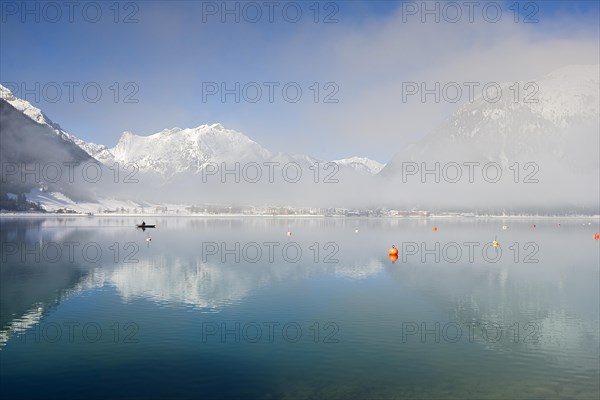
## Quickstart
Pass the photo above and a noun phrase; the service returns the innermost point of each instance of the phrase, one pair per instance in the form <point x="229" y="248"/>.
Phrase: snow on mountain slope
<point x="24" y="106"/>
<point x="545" y="143"/>
<point x="97" y="151"/>
<point x="32" y="146"/>
<point x="569" y="94"/>
<point x="177" y="150"/>
<point x="52" y="201"/>
<point x="32" y="112"/>
<point x="361" y="165"/>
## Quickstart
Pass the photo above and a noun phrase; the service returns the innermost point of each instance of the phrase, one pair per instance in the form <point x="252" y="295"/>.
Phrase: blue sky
<point x="173" y="52"/>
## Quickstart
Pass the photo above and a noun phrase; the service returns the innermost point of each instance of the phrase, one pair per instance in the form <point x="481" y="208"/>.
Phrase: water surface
<point x="232" y="308"/>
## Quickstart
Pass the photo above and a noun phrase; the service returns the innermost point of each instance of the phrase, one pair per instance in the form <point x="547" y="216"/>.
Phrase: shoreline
<point x="79" y="215"/>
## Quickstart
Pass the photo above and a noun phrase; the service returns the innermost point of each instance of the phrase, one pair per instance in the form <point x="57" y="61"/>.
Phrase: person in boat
<point x="143" y="223"/>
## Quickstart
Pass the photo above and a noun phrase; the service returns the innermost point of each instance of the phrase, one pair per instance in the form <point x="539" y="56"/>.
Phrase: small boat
<point x="144" y="226"/>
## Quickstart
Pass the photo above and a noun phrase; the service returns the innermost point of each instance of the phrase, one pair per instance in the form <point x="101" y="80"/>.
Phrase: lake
<point x="221" y="307"/>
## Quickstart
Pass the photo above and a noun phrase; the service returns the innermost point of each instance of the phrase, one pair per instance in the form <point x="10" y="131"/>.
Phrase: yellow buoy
<point x="495" y="243"/>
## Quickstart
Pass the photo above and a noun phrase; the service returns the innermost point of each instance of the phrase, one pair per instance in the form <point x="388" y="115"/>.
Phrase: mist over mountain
<point x="207" y="164"/>
<point x="534" y="149"/>
<point x="545" y="140"/>
<point x="34" y="154"/>
<point x="554" y="117"/>
<point x="361" y="164"/>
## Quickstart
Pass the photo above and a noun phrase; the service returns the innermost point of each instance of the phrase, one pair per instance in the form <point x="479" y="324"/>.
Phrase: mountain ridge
<point x="194" y="146"/>
<point x="558" y="132"/>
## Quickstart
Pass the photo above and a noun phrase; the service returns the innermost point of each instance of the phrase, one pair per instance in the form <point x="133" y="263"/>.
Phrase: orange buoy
<point x="393" y="258"/>
<point x="596" y="236"/>
<point x="435" y="228"/>
<point x="393" y="251"/>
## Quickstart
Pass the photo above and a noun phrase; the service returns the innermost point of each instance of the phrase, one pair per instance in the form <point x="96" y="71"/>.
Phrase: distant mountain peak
<point x="361" y="164"/>
<point x="169" y="131"/>
<point x="554" y="117"/>
<point x="176" y="150"/>
<point x="217" y="126"/>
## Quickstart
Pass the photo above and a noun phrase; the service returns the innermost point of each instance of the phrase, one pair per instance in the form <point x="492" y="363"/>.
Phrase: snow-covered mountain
<point x="555" y="117"/>
<point x="177" y="150"/>
<point x="33" y="153"/>
<point x="545" y="141"/>
<point x="361" y="165"/>
<point x="174" y="151"/>
<point x="24" y="106"/>
<point x="38" y="116"/>
<point x="169" y="167"/>
<point x="553" y="122"/>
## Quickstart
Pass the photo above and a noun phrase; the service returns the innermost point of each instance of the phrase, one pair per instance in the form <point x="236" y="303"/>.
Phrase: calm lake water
<point x="236" y="308"/>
